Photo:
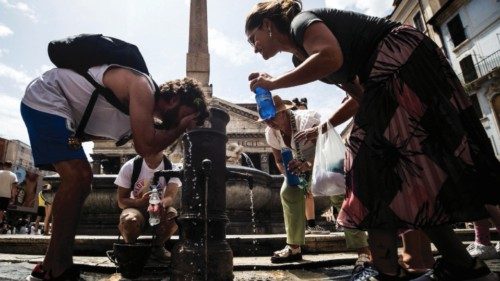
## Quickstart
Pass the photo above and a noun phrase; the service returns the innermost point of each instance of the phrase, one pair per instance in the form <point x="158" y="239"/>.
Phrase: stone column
<point x="198" y="58"/>
<point x="96" y="164"/>
<point x="264" y="162"/>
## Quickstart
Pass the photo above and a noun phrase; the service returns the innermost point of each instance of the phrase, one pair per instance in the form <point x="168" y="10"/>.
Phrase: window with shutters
<point x="468" y="69"/>
<point x="457" y="31"/>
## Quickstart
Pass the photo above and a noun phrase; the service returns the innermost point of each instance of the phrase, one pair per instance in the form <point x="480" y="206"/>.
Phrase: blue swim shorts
<point x="49" y="135"/>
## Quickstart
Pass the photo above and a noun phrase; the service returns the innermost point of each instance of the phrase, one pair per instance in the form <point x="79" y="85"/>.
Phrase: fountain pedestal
<point x="202" y="252"/>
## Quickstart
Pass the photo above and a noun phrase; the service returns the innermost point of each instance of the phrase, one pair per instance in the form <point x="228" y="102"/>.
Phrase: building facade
<point x="30" y="179"/>
<point x="16" y="152"/>
<point x="471" y="38"/>
<point x="468" y="32"/>
<point x="417" y="14"/>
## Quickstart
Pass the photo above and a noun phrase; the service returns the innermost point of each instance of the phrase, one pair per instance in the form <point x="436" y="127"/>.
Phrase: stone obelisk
<point x="198" y="58"/>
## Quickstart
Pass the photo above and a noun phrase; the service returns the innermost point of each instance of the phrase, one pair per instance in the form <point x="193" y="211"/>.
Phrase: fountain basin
<point x="100" y="212"/>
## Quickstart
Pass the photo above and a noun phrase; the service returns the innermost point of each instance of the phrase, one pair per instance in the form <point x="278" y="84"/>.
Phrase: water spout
<point x="248" y="160"/>
<point x="238" y="175"/>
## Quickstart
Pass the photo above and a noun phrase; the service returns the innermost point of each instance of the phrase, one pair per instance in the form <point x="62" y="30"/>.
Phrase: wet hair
<point x="190" y="94"/>
<point x="280" y="12"/>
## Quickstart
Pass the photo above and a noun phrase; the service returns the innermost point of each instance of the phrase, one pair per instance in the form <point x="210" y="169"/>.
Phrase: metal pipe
<point x="167" y="174"/>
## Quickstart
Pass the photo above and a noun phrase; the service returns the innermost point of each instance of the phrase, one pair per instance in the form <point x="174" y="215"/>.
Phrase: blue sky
<point x="160" y="29"/>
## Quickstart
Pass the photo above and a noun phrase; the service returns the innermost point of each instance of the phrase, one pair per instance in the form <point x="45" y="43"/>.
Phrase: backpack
<point x="81" y="52"/>
<point x="137" y="169"/>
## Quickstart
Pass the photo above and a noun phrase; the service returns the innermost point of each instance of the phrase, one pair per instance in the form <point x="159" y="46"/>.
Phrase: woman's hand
<point x="308" y="135"/>
<point x="298" y="167"/>
<point x="260" y="79"/>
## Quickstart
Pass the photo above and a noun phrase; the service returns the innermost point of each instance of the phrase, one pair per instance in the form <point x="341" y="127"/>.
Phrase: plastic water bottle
<point x="287" y="156"/>
<point x="265" y="103"/>
<point x="154" y="199"/>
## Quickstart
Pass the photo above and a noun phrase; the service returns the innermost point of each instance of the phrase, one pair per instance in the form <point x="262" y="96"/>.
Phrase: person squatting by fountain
<point x="133" y="199"/>
<point x="417" y="156"/>
<point x="54" y="103"/>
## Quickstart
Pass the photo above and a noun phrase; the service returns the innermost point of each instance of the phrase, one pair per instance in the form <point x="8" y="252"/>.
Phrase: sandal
<point x="287" y="254"/>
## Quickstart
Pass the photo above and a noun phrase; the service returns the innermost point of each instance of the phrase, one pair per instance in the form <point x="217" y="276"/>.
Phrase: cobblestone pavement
<point x="18" y="271"/>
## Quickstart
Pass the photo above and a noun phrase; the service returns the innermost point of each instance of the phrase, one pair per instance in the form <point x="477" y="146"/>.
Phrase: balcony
<point x="482" y="68"/>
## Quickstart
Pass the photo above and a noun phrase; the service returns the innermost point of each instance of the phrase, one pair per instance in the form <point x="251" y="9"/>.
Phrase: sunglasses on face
<point x="251" y="36"/>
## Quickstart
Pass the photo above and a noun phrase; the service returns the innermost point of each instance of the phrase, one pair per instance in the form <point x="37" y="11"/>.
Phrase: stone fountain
<point x="100" y="212"/>
<point x="213" y="194"/>
<point x="202" y="252"/>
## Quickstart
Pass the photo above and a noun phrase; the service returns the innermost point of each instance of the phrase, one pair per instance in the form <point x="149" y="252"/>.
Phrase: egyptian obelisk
<point x="198" y="58"/>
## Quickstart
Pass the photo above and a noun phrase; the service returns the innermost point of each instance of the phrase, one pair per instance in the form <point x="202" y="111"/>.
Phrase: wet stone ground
<point x="18" y="271"/>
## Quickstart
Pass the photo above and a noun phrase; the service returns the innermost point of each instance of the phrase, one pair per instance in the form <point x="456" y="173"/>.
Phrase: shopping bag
<point x="328" y="171"/>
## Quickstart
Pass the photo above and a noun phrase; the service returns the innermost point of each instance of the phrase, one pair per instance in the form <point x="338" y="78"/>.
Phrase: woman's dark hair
<point x="190" y="94"/>
<point x="280" y="12"/>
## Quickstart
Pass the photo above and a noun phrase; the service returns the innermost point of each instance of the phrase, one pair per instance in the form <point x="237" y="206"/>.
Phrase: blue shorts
<point x="49" y="135"/>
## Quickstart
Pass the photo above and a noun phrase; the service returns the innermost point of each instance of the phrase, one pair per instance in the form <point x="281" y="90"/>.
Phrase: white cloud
<point x="3" y="52"/>
<point x="5" y="30"/>
<point x="21" y="7"/>
<point x="379" y="8"/>
<point x="43" y="68"/>
<point x="232" y="50"/>
<point x="19" y="77"/>
<point x="13" y="126"/>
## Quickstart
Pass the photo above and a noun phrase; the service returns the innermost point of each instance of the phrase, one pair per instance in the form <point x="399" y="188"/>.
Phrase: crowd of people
<point x="23" y="222"/>
<point x="417" y="158"/>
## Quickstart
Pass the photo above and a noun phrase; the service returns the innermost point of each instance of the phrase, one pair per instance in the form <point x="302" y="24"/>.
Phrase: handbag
<point x="328" y="176"/>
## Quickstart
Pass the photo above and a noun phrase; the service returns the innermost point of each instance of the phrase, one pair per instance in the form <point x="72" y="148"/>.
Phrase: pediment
<point x="242" y="120"/>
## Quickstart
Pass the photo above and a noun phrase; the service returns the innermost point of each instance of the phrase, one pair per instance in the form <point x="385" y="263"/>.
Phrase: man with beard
<point x="55" y="102"/>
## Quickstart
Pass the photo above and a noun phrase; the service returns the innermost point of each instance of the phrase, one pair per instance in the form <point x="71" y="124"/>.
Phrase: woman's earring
<point x="270" y="33"/>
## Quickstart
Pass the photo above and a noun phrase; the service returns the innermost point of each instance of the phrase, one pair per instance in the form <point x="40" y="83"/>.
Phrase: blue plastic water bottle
<point x="287" y="156"/>
<point x="265" y="103"/>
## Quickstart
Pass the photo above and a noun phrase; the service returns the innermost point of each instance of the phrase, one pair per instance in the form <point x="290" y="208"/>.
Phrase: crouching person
<point x="133" y="183"/>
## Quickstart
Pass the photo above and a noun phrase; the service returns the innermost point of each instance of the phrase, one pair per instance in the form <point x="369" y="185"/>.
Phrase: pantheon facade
<point x="242" y="130"/>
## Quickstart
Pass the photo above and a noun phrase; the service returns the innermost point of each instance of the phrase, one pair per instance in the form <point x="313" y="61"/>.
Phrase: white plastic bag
<point x="328" y="171"/>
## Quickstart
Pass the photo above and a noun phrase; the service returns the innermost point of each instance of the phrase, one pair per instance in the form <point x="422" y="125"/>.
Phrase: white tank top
<point x="65" y="93"/>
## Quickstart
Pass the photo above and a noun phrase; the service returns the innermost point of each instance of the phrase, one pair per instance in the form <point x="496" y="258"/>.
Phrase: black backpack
<point x="81" y="52"/>
<point x="137" y="169"/>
